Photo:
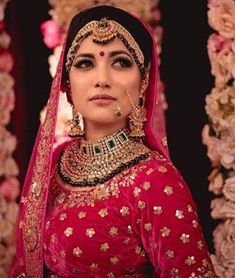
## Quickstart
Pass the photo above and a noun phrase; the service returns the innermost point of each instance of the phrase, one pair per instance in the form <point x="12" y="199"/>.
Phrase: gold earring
<point x="137" y="116"/>
<point x="76" y="130"/>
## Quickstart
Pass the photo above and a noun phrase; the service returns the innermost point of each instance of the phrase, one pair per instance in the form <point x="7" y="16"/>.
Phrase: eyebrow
<point x="111" y="54"/>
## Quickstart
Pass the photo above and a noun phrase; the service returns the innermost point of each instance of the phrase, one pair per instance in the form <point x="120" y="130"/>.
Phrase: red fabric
<point x="148" y="219"/>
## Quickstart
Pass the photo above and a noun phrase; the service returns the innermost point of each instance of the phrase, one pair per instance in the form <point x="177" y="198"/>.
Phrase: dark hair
<point x="132" y="24"/>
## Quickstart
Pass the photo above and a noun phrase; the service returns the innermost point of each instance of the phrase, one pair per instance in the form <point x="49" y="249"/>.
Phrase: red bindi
<point x="102" y="53"/>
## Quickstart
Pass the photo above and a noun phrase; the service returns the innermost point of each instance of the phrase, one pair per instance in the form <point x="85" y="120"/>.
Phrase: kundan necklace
<point x="86" y="164"/>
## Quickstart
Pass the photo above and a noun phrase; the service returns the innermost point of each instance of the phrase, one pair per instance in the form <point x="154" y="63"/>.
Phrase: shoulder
<point x="160" y="179"/>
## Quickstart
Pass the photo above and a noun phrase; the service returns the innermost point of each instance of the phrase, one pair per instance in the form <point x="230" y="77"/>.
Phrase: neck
<point x="95" y="132"/>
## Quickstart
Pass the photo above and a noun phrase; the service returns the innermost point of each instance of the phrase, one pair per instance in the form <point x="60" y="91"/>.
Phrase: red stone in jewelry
<point x="102" y="53"/>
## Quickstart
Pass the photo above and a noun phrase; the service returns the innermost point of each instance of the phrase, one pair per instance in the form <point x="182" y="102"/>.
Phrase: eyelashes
<point x="119" y="62"/>
<point x="123" y="62"/>
<point x="84" y="63"/>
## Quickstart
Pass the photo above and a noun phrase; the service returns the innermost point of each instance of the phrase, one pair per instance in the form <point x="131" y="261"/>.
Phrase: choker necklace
<point x="84" y="163"/>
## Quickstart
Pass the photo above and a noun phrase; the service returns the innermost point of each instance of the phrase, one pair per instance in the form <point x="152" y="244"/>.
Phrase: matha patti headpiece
<point x="102" y="32"/>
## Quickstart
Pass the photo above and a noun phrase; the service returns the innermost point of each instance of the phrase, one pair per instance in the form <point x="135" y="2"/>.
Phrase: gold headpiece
<point x="102" y="32"/>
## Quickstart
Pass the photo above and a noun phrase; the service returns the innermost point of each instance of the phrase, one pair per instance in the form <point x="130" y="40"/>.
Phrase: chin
<point x="104" y="119"/>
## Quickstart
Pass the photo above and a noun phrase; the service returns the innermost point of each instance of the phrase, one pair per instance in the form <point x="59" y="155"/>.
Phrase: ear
<point x="65" y="87"/>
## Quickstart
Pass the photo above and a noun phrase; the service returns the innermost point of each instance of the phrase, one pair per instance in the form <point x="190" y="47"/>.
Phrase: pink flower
<point x="221" y="17"/>
<point x="229" y="189"/>
<point x="10" y="189"/>
<point x="212" y="146"/>
<point x="216" y="43"/>
<point x="216" y="181"/>
<point x="51" y="33"/>
<point x="212" y="4"/>
<point x="6" y="61"/>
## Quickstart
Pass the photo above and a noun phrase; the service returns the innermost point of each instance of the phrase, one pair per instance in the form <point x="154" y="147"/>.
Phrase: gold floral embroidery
<point x="127" y="240"/>
<point x="90" y="232"/>
<point x="153" y="245"/>
<point x="139" y="251"/>
<point x="165" y="232"/>
<point x="129" y="229"/>
<point x="174" y="272"/>
<point x="157" y="210"/>
<point x="195" y="223"/>
<point x="94" y="266"/>
<point x="179" y="214"/>
<point x="53" y="238"/>
<point x="47" y="225"/>
<point x="136" y="191"/>
<point x="60" y="198"/>
<point x="168" y="190"/>
<point x="200" y="245"/>
<point x="148" y="227"/>
<point x="114" y="260"/>
<point x="63" y="216"/>
<point x="141" y="204"/>
<point x="138" y="221"/>
<point x="190" y="209"/>
<point x="146" y="185"/>
<point x="149" y="171"/>
<point x="62" y="254"/>
<point x="81" y="214"/>
<point x="124" y="211"/>
<point x="34" y="205"/>
<point x="190" y="260"/>
<point x="110" y="275"/>
<point x="104" y="247"/>
<point x="113" y="231"/>
<point x="77" y="252"/>
<point x="185" y="238"/>
<point x="162" y="169"/>
<point x="100" y="192"/>
<point x="181" y="184"/>
<point x="103" y="212"/>
<point x="170" y="254"/>
<point x="21" y="275"/>
<point x="68" y="231"/>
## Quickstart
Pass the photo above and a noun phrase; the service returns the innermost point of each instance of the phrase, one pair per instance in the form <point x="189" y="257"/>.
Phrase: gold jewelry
<point x="137" y="116"/>
<point x="76" y="130"/>
<point x="102" y="32"/>
<point x="87" y="164"/>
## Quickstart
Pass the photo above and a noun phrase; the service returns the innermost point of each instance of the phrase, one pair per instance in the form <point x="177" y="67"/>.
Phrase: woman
<point x="109" y="202"/>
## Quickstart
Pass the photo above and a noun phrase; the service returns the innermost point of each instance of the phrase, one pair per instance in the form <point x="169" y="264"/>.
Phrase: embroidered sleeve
<point x="169" y="226"/>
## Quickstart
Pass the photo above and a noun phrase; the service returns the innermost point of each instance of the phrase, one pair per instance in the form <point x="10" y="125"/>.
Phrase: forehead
<point x="87" y="45"/>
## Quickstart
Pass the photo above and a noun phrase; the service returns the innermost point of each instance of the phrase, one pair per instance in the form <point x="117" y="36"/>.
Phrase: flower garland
<point x="54" y="31"/>
<point x="219" y="134"/>
<point x="9" y="184"/>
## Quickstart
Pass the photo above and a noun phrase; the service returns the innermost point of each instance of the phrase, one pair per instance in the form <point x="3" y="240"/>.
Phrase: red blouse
<point x="141" y="223"/>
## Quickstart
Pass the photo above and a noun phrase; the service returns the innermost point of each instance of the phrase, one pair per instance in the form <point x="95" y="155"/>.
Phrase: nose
<point x="102" y="78"/>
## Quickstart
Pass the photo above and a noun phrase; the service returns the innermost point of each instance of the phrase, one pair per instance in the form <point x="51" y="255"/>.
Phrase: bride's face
<point x="103" y="80"/>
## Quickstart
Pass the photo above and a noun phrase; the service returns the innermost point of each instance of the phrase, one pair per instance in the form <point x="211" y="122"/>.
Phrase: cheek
<point x="78" y="91"/>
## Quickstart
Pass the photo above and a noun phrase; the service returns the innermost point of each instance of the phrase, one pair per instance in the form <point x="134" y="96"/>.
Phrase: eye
<point x="84" y="64"/>
<point x="122" y="62"/>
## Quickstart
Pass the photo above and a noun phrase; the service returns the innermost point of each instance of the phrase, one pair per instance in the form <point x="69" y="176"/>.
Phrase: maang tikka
<point x="137" y="116"/>
<point x="76" y="130"/>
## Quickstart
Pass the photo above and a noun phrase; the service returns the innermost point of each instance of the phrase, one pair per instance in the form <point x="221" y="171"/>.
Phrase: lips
<point x="102" y="96"/>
